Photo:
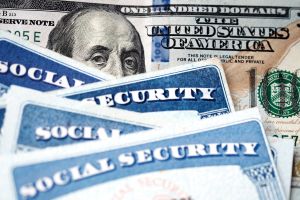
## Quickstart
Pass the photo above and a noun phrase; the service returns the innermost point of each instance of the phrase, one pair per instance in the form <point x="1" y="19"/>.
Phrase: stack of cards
<point x="70" y="132"/>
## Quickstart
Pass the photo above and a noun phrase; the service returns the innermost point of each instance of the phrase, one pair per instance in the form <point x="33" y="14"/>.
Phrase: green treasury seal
<point x="279" y="92"/>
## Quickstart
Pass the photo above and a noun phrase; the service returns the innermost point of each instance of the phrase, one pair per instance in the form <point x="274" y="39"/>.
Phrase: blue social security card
<point x="35" y="120"/>
<point x="25" y="64"/>
<point x="225" y="157"/>
<point x="198" y="87"/>
<point x="282" y="149"/>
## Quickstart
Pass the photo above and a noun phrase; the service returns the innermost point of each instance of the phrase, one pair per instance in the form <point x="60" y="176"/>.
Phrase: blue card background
<point x="207" y="77"/>
<point x="243" y="132"/>
<point x="15" y="53"/>
<point x="35" y="116"/>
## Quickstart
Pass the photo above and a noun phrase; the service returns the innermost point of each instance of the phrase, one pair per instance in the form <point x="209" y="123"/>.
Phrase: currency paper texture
<point x="228" y="154"/>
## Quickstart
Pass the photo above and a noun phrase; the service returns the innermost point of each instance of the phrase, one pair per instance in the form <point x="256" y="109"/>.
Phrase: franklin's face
<point x="108" y="42"/>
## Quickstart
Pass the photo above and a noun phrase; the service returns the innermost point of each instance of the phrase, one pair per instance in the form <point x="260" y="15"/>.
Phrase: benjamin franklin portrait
<point x="99" y="37"/>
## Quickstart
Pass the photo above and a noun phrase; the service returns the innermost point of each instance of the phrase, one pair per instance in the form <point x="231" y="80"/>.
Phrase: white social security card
<point x="26" y="64"/>
<point x="35" y="120"/>
<point x="200" y="87"/>
<point x="225" y="157"/>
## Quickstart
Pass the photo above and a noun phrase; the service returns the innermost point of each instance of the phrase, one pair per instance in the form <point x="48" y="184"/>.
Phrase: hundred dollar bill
<point x="228" y="154"/>
<point x="34" y="120"/>
<point x="28" y="65"/>
<point x="200" y="88"/>
<point x="136" y="36"/>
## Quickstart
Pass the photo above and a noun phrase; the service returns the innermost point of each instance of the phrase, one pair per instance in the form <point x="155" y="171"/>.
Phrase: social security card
<point x="282" y="150"/>
<point x="225" y="157"/>
<point x="199" y="87"/>
<point x="34" y="120"/>
<point x="28" y="65"/>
